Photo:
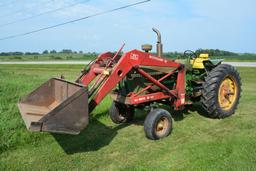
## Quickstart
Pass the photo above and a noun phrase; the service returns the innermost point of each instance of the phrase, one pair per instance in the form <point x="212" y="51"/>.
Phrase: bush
<point x="16" y="57"/>
<point x="69" y="57"/>
<point x="56" y="57"/>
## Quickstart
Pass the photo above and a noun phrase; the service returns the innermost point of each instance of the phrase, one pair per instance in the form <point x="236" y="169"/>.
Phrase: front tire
<point x="158" y="124"/>
<point x="221" y="91"/>
<point x="120" y="113"/>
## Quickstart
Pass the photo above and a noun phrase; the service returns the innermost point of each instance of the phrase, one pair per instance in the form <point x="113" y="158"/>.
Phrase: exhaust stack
<point x="159" y="45"/>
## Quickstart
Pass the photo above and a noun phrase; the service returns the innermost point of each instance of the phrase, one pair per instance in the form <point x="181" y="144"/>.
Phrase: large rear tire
<point x="221" y="91"/>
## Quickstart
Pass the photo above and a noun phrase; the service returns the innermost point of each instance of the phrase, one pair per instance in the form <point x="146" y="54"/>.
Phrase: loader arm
<point x="112" y="75"/>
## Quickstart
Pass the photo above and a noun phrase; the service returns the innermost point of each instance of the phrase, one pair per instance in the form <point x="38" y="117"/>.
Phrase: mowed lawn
<point x="197" y="142"/>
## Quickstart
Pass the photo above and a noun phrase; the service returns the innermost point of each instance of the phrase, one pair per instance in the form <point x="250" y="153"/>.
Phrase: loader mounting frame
<point x="109" y="69"/>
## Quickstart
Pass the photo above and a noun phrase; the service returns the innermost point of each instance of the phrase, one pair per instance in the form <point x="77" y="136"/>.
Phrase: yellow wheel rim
<point x="162" y="126"/>
<point x="227" y="93"/>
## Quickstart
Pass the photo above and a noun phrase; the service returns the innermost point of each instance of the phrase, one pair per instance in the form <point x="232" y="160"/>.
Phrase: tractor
<point x="135" y="80"/>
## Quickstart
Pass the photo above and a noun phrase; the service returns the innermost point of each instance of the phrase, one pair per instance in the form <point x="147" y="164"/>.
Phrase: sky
<point x="184" y="24"/>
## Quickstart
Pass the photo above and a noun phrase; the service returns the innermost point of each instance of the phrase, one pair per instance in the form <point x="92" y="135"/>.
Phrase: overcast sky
<point x="185" y="24"/>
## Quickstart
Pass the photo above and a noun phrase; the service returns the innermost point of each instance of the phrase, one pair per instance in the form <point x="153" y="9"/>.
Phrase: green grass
<point x="197" y="143"/>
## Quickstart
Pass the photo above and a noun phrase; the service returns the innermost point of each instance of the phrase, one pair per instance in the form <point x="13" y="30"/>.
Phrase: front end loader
<point x="135" y="80"/>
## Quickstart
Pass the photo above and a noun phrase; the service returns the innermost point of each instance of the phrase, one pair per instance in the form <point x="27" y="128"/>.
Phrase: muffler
<point x="57" y="106"/>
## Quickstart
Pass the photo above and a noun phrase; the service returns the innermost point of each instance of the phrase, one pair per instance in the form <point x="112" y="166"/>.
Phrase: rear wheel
<point x="120" y="113"/>
<point x="221" y="91"/>
<point x="158" y="124"/>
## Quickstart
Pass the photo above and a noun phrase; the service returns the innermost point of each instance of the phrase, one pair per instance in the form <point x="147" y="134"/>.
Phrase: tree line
<point x="211" y="52"/>
<point x="45" y="52"/>
<point x="216" y="52"/>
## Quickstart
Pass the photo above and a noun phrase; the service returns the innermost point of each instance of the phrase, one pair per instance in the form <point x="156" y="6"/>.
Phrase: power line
<point x="21" y="10"/>
<point x="43" y="13"/>
<point x="72" y="21"/>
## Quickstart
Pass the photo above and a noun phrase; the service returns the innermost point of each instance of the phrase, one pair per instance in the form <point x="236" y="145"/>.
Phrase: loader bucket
<point x="57" y="106"/>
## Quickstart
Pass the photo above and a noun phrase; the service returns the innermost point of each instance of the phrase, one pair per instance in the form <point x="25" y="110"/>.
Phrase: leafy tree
<point x="27" y="53"/>
<point x="216" y="52"/>
<point x="35" y="53"/>
<point x="53" y="51"/>
<point x="45" y="52"/>
<point x="68" y="51"/>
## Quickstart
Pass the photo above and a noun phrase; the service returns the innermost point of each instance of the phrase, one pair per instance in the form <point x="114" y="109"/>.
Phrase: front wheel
<point x="158" y="124"/>
<point x="120" y="113"/>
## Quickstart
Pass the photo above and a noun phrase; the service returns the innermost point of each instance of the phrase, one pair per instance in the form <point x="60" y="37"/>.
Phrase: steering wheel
<point x="190" y="54"/>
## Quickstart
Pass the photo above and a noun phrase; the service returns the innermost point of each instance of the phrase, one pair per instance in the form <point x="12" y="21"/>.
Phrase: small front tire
<point x="120" y="113"/>
<point x="158" y="124"/>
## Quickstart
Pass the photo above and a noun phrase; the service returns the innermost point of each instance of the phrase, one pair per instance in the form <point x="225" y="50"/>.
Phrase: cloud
<point x="185" y="24"/>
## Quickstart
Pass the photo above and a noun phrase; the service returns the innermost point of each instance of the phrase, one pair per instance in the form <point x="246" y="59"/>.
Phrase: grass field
<point x="197" y="143"/>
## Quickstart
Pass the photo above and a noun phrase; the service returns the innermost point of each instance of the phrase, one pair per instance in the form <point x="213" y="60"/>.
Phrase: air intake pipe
<point x="159" y="45"/>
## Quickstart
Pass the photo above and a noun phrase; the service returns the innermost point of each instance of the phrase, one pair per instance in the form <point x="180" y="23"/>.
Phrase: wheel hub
<point x="162" y="126"/>
<point x="227" y="93"/>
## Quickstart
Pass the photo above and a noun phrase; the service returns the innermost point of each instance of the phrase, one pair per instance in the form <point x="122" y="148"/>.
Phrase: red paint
<point x="120" y="66"/>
